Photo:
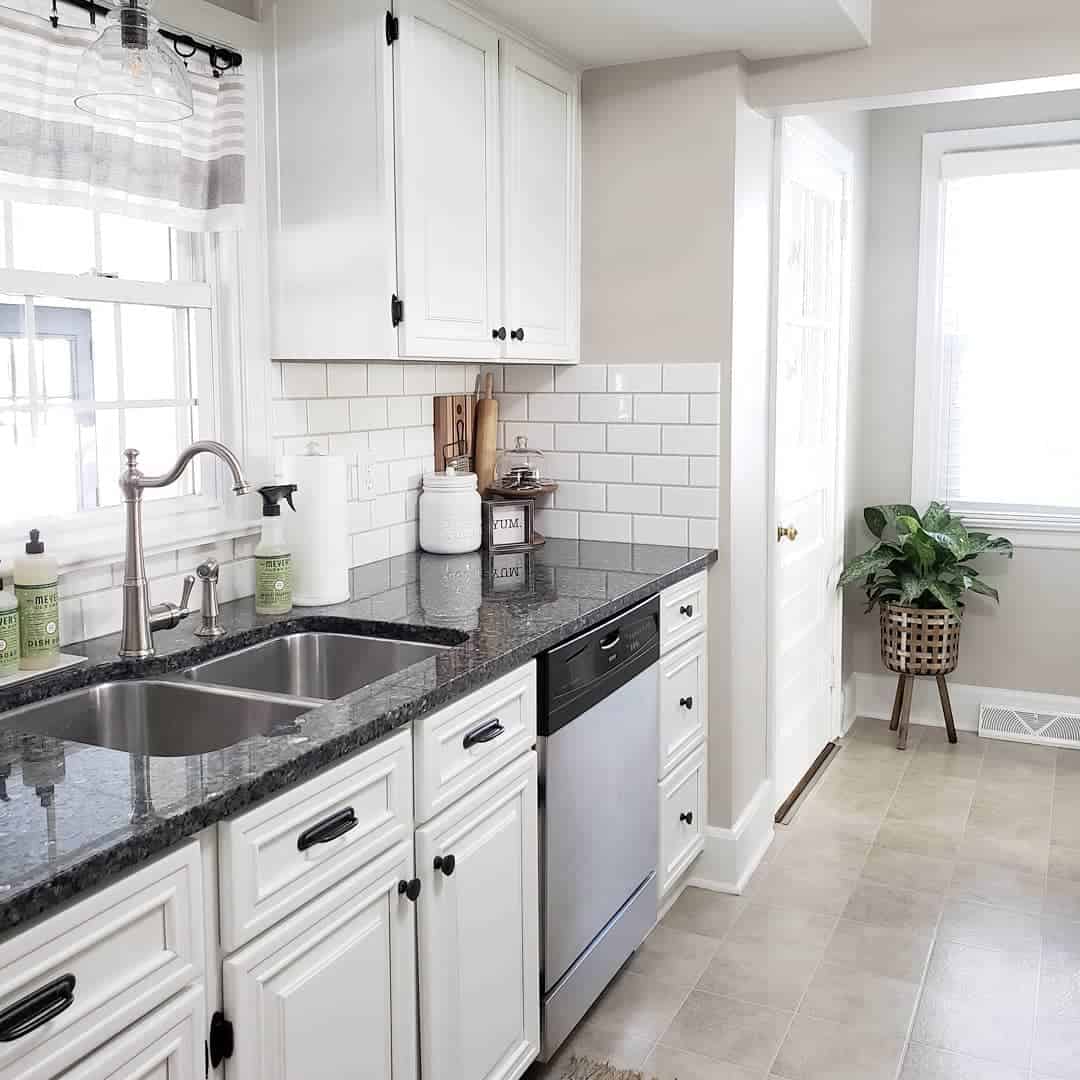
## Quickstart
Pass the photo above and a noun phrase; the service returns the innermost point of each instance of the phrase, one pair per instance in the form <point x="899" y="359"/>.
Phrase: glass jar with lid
<point x="520" y="468"/>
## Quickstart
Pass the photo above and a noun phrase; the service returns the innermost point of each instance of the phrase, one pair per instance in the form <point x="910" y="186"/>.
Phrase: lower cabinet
<point x="479" y="931"/>
<point x="330" y="992"/>
<point x="682" y="818"/>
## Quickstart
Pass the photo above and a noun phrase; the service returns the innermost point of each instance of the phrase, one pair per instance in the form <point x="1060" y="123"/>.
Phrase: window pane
<point x="136" y="249"/>
<point x="59" y="239"/>
<point x="1011" y="339"/>
<point x="45" y="474"/>
<point x="155" y="434"/>
<point x="148" y="339"/>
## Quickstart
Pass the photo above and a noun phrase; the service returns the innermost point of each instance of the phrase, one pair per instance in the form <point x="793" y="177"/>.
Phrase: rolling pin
<point x="487" y="424"/>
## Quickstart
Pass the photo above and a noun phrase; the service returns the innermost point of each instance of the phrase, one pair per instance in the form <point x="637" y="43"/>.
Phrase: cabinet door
<point x="682" y="818"/>
<point x="539" y="123"/>
<point x="479" y="932"/>
<point x="684" y="701"/>
<point x="330" y="993"/>
<point x="449" y="224"/>
<point x="330" y="115"/>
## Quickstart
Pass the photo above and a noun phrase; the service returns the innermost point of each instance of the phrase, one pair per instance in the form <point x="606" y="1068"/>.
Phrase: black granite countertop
<point x="73" y="814"/>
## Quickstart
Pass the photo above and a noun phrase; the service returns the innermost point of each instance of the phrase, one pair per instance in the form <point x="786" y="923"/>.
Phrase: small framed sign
<point x="508" y="524"/>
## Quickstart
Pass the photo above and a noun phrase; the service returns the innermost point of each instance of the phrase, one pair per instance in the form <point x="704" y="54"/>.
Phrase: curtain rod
<point x="221" y="58"/>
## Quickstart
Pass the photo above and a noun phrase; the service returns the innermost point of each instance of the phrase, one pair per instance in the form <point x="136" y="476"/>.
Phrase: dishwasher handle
<point x="485" y="733"/>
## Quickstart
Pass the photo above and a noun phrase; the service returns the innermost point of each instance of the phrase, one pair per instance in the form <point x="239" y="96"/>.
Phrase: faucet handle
<point x="185" y="595"/>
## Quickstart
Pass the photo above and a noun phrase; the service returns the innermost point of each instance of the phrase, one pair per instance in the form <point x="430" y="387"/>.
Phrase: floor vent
<point x="1024" y="725"/>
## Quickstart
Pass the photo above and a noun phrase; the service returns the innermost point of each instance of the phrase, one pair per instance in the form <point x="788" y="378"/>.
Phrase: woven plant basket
<point x="919" y="642"/>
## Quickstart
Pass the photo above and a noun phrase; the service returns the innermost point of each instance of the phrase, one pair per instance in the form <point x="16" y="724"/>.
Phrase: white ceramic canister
<point x="449" y="513"/>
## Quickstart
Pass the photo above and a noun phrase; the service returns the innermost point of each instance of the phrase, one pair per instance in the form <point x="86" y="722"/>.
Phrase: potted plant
<point x="918" y="573"/>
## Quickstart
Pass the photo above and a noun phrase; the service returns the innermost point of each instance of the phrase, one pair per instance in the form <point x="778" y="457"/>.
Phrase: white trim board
<point x="732" y="855"/>
<point x="874" y="695"/>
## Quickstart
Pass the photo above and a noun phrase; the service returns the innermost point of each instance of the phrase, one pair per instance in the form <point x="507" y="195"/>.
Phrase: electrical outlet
<point x="366" y="475"/>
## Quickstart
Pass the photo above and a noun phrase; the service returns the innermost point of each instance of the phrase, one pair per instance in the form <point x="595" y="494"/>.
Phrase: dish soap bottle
<point x="39" y="607"/>
<point x="273" y="560"/>
<point x="9" y="629"/>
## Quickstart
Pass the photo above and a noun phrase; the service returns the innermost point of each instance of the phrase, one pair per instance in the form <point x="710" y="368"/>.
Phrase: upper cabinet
<point x="424" y="187"/>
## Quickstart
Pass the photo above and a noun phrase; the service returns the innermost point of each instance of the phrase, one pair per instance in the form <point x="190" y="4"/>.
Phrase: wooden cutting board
<point x="453" y="425"/>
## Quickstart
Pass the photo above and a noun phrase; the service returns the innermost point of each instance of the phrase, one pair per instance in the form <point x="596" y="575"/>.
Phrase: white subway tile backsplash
<point x="583" y="437"/>
<point x="388" y="509"/>
<point x="348" y="446"/>
<point x="403" y="412"/>
<point x="419" y="379"/>
<point x="705" y="471"/>
<point x="427" y="410"/>
<point x="386" y="379"/>
<point x="388" y="445"/>
<point x="483" y="370"/>
<point x="528" y="379"/>
<point x="513" y="406"/>
<point x="691" y="502"/>
<point x="661" y="408"/>
<point x="540" y="436"/>
<point x="328" y="415"/>
<point x="614" y="468"/>
<point x="406" y="475"/>
<point x="661" y="530"/>
<point x="450" y="379"/>
<point x="367" y="413"/>
<point x="553" y="407"/>
<point x="419" y="442"/>
<point x="691" y="439"/>
<point x="346" y="380"/>
<point x="404" y="538"/>
<point x="371" y="546"/>
<point x="616" y="528"/>
<point x="412" y="505"/>
<point x="304" y="380"/>
<point x="559" y="466"/>
<point x="691" y="378"/>
<point x="578" y="496"/>
<point x="582" y="379"/>
<point x="302" y="444"/>
<point x="704" y="408"/>
<point x="359" y="516"/>
<point x="634" y="439"/>
<point x="704" y="533"/>
<point x="633" y="498"/>
<point x="607" y="408"/>
<point x="633" y="378"/>
<point x="649" y="469"/>
<point x="558" y="523"/>
<point x="289" y="417"/>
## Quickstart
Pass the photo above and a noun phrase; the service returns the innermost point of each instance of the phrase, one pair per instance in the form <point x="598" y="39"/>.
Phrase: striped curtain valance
<point x="189" y="175"/>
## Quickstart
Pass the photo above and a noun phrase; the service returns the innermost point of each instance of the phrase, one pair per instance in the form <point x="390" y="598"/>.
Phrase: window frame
<point x="235" y="298"/>
<point x="1027" y="526"/>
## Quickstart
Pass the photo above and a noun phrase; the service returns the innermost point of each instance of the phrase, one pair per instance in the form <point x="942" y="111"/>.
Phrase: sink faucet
<point x="140" y="619"/>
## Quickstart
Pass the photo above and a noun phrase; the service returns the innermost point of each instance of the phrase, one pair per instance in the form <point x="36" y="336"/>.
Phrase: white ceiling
<point x="598" y="33"/>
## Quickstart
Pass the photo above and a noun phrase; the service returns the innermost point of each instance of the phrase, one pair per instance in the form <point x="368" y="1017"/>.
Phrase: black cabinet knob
<point x="500" y="334"/>
<point x="445" y="863"/>
<point x="688" y="818"/>
<point x="409" y="889"/>
<point x="686" y="702"/>
<point x="518" y="334"/>
<point x="687" y="610"/>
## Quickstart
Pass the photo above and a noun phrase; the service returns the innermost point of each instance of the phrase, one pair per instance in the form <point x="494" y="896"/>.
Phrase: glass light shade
<point x="131" y="74"/>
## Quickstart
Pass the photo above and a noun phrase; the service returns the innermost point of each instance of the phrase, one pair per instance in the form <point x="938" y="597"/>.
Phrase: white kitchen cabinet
<point x="682" y="818"/>
<point x="478" y="931"/>
<point x="331" y="991"/>
<point x="330" y="119"/>
<point x="539" y="144"/>
<point x="448" y="169"/>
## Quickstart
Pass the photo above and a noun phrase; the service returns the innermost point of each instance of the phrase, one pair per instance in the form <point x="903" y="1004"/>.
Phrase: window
<point x="998" y="367"/>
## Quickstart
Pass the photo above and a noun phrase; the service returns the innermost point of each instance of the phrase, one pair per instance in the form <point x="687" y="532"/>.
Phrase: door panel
<point x="449" y="216"/>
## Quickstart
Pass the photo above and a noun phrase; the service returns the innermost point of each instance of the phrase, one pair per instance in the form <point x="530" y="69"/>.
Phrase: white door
<point x="539" y="110"/>
<point x="449" y="217"/>
<point x="330" y="992"/>
<point x="811" y="340"/>
<point x="334" y="262"/>
<point x="479" y="936"/>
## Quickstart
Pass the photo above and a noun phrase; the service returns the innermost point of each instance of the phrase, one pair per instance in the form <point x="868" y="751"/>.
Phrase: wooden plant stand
<point x="901" y="710"/>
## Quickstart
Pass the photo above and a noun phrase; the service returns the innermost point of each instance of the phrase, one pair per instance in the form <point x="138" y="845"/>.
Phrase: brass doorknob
<point x="786" y="532"/>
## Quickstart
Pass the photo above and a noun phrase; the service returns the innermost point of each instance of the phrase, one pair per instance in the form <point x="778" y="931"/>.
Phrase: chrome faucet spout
<point x="140" y="619"/>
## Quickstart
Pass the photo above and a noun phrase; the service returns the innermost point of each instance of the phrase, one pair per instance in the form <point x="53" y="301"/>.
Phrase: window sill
<point x="1025" y="528"/>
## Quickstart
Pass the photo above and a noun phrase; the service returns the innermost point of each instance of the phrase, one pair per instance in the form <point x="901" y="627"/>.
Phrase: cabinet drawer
<point x="684" y="701"/>
<point x="458" y="747"/>
<point x="167" y="1045"/>
<point x="682" y="797"/>
<point x="286" y="851"/>
<point x="683" y="611"/>
<point x="114" y="957"/>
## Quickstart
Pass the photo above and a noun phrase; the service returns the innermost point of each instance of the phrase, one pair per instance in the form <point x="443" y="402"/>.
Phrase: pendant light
<point x="131" y="74"/>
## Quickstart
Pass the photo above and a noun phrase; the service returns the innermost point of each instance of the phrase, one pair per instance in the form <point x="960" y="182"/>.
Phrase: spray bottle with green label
<point x="273" y="560"/>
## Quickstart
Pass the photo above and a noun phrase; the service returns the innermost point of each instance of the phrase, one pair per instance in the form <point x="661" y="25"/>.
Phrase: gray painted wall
<point x="1030" y="642"/>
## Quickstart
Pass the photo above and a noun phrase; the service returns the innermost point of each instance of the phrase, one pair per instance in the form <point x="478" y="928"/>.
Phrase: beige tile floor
<point x="919" y="919"/>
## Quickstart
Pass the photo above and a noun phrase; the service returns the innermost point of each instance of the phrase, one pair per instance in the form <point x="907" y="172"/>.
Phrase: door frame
<point x="843" y="158"/>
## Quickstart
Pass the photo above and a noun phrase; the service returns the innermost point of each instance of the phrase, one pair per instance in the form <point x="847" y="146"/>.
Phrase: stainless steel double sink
<point x="259" y="690"/>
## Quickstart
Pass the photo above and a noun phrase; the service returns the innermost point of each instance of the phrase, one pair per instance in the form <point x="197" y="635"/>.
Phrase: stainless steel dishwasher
<point x="598" y="841"/>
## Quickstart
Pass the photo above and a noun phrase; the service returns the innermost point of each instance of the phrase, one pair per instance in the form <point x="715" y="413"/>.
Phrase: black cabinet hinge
<point x="397" y="310"/>
<point x="221" y="1039"/>
<point x="393" y="28"/>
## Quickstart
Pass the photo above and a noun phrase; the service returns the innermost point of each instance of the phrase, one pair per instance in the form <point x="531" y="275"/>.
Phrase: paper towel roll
<point x="318" y="531"/>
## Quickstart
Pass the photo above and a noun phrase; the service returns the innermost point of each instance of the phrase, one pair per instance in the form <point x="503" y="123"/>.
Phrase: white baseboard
<point x="850" y="708"/>
<point x="874" y="694"/>
<point x="732" y="855"/>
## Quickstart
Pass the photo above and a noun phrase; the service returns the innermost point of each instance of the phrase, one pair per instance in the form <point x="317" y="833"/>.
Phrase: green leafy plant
<point x="923" y="562"/>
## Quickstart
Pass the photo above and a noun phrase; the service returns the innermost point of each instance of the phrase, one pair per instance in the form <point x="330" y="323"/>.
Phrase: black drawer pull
<point x="445" y="863"/>
<point x="499" y="334"/>
<point x="686" y="702"/>
<point x="688" y="818"/>
<point x="334" y="826"/>
<point x="487" y="731"/>
<point x="409" y="889"/>
<point x="518" y="334"/>
<point x="687" y="610"/>
<point x="37" y="1009"/>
